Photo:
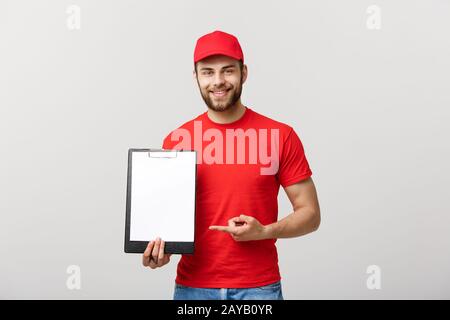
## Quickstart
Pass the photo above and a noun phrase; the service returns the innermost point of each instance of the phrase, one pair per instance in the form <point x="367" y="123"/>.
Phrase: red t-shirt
<point x="227" y="188"/>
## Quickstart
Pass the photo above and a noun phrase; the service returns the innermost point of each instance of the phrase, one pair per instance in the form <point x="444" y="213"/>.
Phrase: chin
<point x="220" y="108"/>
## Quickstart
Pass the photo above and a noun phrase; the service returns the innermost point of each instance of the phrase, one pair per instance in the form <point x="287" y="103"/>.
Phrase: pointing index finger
<point x="223" y="228"/>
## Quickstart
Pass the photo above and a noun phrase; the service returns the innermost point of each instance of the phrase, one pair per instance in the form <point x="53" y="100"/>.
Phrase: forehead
<point x="217" y="61"/>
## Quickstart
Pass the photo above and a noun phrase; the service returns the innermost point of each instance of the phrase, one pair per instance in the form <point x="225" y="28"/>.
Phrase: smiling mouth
<point x="220" y="93"/>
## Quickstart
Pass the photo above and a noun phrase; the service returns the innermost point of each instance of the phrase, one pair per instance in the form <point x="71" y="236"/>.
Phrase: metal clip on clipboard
<point x="170" y="153"/>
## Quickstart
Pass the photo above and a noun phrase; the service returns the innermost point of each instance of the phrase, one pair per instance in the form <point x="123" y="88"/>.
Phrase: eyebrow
<point x="225" y="67"/>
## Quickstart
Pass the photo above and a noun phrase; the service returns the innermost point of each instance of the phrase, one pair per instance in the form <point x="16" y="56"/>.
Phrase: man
<point x="235" y="255"/>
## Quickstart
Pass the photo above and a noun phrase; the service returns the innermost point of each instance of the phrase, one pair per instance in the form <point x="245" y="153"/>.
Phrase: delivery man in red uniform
<point x="237" y="225"/>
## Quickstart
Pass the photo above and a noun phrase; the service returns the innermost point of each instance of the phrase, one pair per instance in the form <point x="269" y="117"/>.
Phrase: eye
<point x="207" y="72"/>
<point x="229" y="71"/>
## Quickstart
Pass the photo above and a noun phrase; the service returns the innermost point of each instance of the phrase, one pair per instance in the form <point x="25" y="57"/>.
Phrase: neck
<point x="230" y="115"/>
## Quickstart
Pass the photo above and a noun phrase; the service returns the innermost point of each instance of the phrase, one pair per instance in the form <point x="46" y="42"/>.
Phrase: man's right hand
<point x="154" y="256"/>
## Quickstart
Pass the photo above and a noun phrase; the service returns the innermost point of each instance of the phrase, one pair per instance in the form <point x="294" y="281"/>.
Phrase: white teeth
<point x="219" y="92"/>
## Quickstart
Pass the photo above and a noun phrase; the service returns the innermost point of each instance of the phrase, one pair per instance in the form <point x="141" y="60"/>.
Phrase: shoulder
<point x="264" y="121"/>
<point x="188" y="125"/>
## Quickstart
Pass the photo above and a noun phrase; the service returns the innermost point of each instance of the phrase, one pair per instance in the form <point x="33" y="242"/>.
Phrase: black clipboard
<point x="138" y="246"/>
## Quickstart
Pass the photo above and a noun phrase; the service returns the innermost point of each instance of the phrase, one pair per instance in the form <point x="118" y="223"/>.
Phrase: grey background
<point x="371" y="108"/>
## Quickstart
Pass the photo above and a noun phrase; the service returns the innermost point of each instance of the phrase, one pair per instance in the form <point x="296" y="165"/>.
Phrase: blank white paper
<point x="163" y="196"/>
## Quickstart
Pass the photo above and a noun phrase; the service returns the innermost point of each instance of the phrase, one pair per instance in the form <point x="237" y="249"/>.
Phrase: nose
<point x="219" y="79"/>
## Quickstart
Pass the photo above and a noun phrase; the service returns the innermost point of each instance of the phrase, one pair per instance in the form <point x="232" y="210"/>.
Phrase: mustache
<point x="221" y="87"/>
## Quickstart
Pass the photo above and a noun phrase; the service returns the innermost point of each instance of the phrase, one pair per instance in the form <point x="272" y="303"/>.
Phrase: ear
<point x="194" y="74"/>
<point x="244" y="73"/>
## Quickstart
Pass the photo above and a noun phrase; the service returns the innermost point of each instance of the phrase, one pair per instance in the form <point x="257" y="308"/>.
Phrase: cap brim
<point x="216" y="52"/>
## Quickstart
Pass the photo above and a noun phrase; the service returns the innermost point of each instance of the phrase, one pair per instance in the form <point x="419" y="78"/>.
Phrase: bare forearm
<point x="300" y="222"/>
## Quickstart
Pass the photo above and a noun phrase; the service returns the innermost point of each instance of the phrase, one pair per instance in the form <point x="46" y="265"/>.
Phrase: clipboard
<point x="161" y="199"/>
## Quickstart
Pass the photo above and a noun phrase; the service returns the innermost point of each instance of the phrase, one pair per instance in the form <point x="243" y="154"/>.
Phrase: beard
<point x="222" y="104"/>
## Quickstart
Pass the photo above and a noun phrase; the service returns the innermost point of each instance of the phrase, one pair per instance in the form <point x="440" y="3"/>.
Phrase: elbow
<point x="316" y="221"/>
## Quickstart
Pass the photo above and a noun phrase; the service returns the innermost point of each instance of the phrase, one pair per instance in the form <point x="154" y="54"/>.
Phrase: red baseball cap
<point x="218" y="42"/>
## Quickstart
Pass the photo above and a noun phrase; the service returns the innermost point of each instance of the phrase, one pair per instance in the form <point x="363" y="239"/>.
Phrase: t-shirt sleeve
<point x="294" y="166"/>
